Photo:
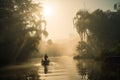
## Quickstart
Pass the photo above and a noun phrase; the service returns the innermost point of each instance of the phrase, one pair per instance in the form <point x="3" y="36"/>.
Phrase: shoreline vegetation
<point x="99" y="34"/>
<point x="21" y="32"/>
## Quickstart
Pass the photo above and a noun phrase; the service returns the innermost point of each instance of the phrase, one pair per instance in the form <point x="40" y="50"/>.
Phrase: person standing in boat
<point x="45" y="63"/>
<point x="45" y="57"/>
<point x="45" y="60"/>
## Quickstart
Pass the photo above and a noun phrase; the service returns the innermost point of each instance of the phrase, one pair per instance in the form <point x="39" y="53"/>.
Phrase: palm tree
<point x="81" y="21"/>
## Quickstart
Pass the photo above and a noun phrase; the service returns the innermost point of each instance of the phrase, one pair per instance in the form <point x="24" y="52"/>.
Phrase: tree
<point x="50" y="42"/>
<point x="101" y="27"/>
<point x="21" y="32"/>
<point x="117" y="6"/>
<point x="81" y="23"/>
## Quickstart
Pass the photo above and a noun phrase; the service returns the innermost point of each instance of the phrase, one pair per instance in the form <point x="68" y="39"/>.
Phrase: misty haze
<point x="59" y="40"/>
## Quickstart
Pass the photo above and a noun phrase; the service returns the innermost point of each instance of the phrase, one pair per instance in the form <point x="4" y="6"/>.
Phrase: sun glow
<point x="47" y="10"/>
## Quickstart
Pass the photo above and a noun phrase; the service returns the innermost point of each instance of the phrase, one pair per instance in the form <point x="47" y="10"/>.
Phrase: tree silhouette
<point x="117" y="6"/>
<point x="100" y="27"/>
<point x="81" y="23"/>
<point x="21" y="32"/>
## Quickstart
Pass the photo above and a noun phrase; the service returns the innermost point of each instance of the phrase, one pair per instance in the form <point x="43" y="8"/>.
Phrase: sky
<point x="61" y="13"/>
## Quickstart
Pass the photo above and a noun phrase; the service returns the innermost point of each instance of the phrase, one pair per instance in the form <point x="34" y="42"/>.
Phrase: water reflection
<point x="63" y="68"/>
<point x="45" y="69"/>
<point x="110" y="71"/>
<point x="89" y="69"/>
<point x="82" y="69"/>
<point x="95" y="70"/>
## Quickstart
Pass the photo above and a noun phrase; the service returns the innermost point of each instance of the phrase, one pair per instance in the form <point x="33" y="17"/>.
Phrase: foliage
<point x="100" y="27"/>
<point x="21" y="30"/>
<point x="117" y="6"/>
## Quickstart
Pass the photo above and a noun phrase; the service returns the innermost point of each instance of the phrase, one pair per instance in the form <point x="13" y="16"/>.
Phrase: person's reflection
<point x="45" y="69"/>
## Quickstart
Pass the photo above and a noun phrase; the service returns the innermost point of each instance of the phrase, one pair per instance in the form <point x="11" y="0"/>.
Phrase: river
<point x="61" y="68"/>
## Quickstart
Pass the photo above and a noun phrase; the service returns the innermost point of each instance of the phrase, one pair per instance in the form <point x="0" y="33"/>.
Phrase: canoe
<point x="45" y="62"/>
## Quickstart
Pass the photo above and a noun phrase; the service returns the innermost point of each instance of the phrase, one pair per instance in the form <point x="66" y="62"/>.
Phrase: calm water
<point x="62" y="68"/>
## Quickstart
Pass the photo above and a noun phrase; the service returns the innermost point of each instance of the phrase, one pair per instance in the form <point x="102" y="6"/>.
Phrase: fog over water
<point x="66" y="47"/>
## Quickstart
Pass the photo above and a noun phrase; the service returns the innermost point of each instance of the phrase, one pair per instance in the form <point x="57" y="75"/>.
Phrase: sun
<point x="47" y="10"/>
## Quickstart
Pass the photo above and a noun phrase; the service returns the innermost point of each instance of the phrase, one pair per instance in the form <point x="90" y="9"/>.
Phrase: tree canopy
<point x="20" y="29"/>
<point x="99" y="28"/>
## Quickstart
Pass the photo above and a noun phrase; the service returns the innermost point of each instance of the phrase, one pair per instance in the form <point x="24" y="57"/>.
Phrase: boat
<point x="45" y="62"/>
